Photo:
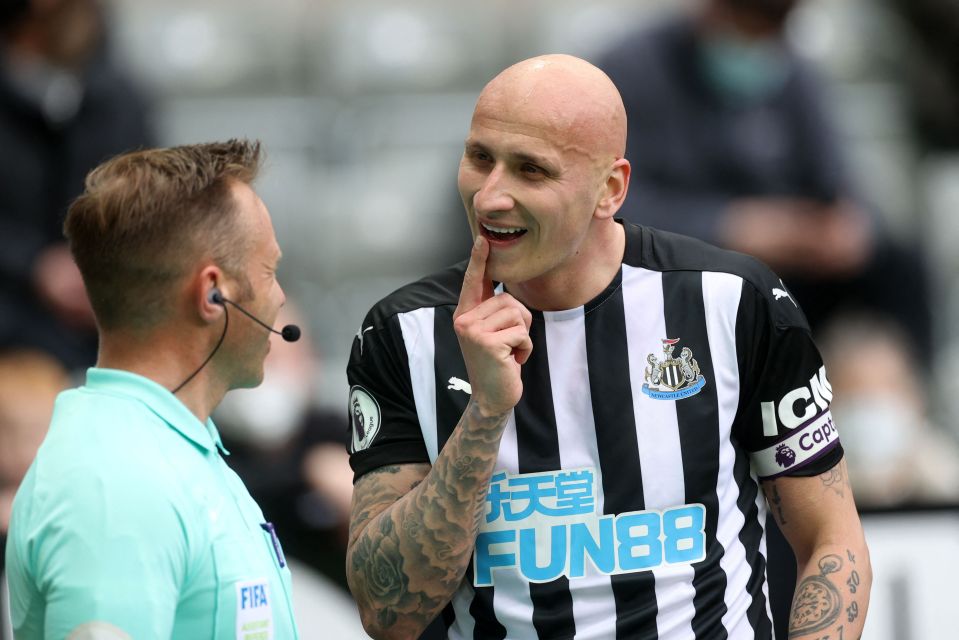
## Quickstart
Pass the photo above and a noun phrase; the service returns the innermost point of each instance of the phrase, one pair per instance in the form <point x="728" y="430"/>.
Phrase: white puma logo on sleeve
<point x="460" y="385"/>
<point x="782" y="293"/>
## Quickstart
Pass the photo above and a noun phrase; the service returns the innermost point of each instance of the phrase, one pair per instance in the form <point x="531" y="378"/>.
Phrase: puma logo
<point x="782" y="293"/>
<point x="360" y="333"/>
<point x="460" y="385"/>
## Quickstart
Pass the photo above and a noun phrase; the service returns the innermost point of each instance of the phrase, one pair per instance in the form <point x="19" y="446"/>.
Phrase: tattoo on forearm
<point x="841" y="636"/>
<point x="466" y="464"/>
<point x="853" y="581"/>
<point x="830" y="564"/>
<point x="852" y="611"/>
<point x="410" y="559"/>
<point x="385" y="581"/>
<point x="817" y="602"/>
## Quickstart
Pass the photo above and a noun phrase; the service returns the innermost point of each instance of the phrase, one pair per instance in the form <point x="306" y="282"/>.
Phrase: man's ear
<point x="208" y="292"/>
<point x="614" y="189"/>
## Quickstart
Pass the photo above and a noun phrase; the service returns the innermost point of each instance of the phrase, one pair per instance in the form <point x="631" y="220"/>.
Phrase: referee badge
<point x="365" y="414"/>
<point x="673" y="378"/>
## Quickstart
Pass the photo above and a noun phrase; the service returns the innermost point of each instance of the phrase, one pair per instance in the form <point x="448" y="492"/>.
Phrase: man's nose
<point x="494" y="195"/>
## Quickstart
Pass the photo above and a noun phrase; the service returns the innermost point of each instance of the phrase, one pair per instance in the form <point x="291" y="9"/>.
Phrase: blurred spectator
<point x="63" y="109"/>
<point x="730" y="142"/>
<point x="292" y="455"/>
<point x="932" y="69"/>
<point x="879" y="405"/>
<point x="29" y="383"/>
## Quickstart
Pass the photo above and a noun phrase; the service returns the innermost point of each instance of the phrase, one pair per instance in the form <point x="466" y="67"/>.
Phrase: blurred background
<point x="362" y="107"/>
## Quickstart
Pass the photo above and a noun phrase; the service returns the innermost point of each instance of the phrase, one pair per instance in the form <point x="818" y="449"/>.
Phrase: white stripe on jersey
<point x="721" y="293"/>
<point x="511" y="600"/>
<point x="464" y="623"/>
<point x="657" y="432"/>
<point x="417" y="329"/>
<point x="593" y="602"/>
<point x="761" y="505"/>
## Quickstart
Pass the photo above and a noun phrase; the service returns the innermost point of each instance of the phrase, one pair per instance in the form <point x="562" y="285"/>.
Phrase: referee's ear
<point x="614" y="189"/>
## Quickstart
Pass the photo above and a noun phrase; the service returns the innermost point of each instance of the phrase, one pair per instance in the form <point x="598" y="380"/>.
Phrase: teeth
<point x="502" y="229"/>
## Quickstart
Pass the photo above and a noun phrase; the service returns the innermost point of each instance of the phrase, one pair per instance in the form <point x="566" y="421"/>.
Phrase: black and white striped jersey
<point x="625" y="503"/>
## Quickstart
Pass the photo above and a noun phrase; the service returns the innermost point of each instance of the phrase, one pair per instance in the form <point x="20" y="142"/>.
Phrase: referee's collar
<point x="160" y="401"/>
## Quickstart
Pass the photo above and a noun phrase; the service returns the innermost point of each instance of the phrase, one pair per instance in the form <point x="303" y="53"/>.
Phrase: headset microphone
<point x="290" y="333"/>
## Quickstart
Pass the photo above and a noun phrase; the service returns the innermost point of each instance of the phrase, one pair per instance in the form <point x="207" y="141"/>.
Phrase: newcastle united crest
<point x="673" y="378"/>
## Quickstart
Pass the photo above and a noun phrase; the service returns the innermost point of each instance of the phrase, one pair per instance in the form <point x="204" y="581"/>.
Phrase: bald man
<point x="565" y="435"/>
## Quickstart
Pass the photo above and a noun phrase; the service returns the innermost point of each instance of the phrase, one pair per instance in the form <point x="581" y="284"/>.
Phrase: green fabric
<point x="130" y="516"/>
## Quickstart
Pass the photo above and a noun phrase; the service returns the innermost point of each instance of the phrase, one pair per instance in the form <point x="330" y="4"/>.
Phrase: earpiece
<point x="290" y="333"/>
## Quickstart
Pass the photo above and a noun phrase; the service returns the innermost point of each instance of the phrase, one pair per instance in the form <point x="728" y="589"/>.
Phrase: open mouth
<point x="501" y="234"/>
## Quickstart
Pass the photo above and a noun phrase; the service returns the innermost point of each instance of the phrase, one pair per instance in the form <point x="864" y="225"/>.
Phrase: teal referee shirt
<point x="129" y="517"/>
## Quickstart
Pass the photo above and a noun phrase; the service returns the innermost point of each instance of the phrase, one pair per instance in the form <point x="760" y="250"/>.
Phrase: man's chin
<point x="508" y="271"/>
<point x="249" y="381"/>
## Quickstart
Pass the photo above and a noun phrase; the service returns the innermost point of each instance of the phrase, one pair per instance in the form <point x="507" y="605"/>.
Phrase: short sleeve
<point x="109" y="552"/>
<point x="384" y="425"/>
<point x="785" y="422"/>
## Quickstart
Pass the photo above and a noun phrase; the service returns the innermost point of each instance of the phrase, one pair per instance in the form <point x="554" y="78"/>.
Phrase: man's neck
<point x="585" y="276"/>
<point x="168" y="362"/>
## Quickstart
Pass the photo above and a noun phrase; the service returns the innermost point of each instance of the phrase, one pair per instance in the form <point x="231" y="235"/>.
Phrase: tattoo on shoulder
<point x="775" y="501"/>
<point x="817" y="602"/>
<point x="835" y="480"/>
<point x="392" y="469"/>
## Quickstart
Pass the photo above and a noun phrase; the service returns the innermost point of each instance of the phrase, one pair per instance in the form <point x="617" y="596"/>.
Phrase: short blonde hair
<point x="147" y="216"/>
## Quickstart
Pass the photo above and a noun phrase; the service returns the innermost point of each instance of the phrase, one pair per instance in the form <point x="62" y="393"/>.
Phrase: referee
<point x="567" y="435"/>
<point x="129" y="524"/>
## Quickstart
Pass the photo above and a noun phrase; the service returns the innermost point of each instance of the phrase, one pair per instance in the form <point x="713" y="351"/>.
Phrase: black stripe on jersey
<point x="608" y="363"/>
<point x="537" y="443"/>
<point x="748" y="348"/>
<point x="751" y="536"/>
<point x="485" y="624"/>
<point x="448" y="362"/>
<point x="698" y="418"/>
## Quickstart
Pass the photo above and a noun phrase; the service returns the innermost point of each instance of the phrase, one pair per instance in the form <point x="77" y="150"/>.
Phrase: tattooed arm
<point x="408" y="553"/>
<point x="413" y="527"/>
<point x="819" y="519"/>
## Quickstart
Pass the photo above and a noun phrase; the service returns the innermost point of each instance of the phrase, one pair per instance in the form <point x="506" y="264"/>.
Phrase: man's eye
<point x="532" y="169"/>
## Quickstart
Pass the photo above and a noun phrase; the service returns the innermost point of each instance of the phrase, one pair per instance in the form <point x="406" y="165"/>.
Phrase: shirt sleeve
<point x="110" y="553"/>
<point x="384" y="425"/>
<point x="785" y="423"/>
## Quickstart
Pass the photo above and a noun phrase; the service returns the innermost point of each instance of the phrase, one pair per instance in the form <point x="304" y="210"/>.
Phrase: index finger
<point x="477" y="287"/>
